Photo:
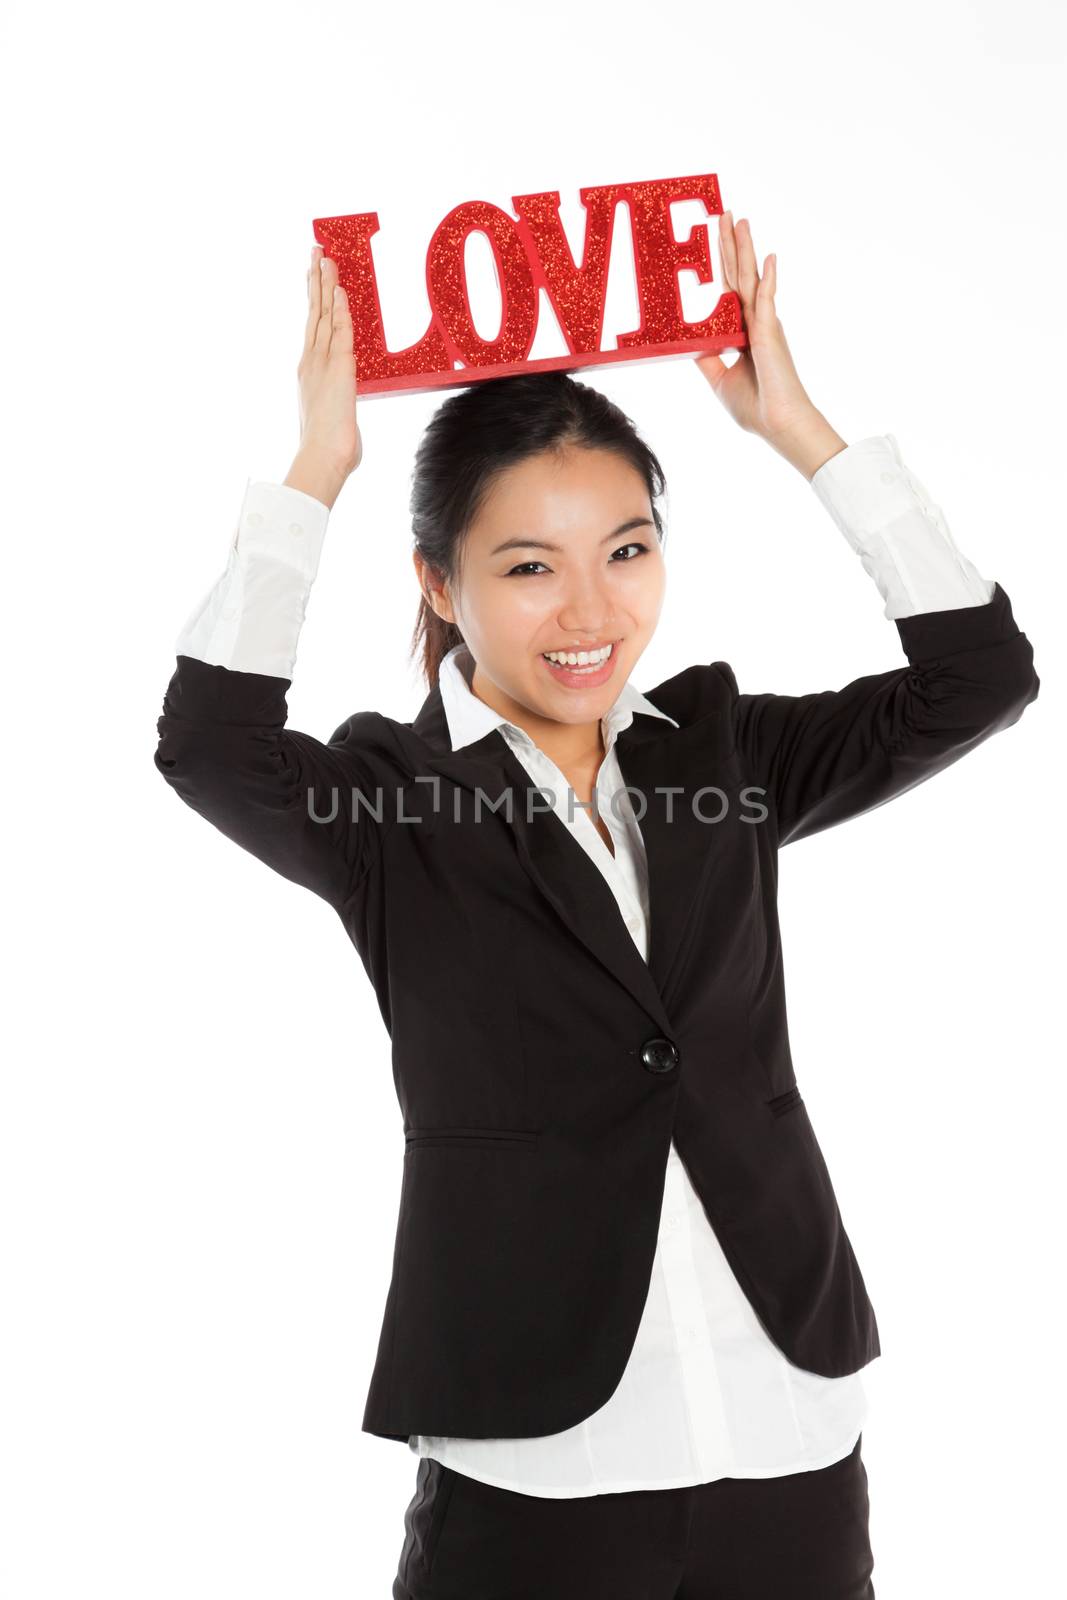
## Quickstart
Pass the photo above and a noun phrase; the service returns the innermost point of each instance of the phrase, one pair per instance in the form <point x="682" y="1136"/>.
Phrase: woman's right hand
<point x="329" y="431"/>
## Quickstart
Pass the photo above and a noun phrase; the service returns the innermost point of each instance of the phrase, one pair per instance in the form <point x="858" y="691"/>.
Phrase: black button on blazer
<point x="542" y="1068"/>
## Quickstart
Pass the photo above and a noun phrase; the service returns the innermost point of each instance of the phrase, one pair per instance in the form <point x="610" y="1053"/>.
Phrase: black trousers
<point x="799" y="1537"/>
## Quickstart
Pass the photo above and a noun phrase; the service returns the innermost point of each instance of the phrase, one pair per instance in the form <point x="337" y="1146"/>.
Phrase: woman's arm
<point x="828" y="756"/>
<point x="831" y="755"/>
<point x="899" y="534"/>
<point x="223" y="744"/>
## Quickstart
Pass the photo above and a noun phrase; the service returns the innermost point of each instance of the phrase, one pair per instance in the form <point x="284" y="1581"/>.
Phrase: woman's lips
<point x="579" y="677"/>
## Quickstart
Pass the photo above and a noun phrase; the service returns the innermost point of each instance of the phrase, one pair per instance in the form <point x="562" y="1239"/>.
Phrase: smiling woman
<point x="534" y="466"/>
<point x="547" y="469"/>
<point x="557" y="633"/>
<point x="626" y="1326"/>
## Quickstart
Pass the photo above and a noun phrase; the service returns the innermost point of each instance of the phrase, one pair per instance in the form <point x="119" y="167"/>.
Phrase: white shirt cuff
<point x="251" y="618"/>
<point x="900" y="536"/>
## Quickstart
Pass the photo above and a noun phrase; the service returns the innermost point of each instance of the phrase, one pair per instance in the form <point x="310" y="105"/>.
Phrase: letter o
<point x="446" y="284"/>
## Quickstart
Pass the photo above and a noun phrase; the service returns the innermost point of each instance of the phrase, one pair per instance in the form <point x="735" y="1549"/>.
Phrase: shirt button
<point x="254" y="519"/>
<point x="670" y="1224"/>
<point x="887" y="477"/>
<point x="294" y="527"/>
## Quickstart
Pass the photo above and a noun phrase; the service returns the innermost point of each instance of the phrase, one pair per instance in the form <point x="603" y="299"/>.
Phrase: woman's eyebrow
<point x="544" y="544"/>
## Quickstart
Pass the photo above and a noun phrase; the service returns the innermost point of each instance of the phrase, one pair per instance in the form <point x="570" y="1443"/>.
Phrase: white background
<point x="200" y="1146"/>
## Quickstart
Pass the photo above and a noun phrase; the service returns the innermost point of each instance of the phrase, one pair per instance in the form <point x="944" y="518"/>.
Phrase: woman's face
<point x="563" y="557"/>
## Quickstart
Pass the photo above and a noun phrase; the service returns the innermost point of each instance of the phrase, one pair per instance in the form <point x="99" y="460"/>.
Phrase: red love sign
<point x="530" y="253"/>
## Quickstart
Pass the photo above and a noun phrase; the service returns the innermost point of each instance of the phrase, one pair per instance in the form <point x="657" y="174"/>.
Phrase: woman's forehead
<point x="582" y="491"/>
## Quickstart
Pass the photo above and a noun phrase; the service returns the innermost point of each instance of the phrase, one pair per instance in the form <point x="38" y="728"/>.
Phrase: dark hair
<point x="472" y="438"/>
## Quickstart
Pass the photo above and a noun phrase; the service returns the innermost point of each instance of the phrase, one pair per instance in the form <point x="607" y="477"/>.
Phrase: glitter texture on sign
<point x="531" y="252"/>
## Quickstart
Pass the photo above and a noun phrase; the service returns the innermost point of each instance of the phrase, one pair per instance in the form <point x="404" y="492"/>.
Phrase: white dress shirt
<point x="705" y="1393"/>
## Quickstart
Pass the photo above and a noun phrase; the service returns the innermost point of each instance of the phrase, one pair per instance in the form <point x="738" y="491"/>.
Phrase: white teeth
<point x="579" y="658"/>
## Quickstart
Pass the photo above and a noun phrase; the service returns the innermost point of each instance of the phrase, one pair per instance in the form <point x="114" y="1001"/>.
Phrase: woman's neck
<point x="574" y="747"/>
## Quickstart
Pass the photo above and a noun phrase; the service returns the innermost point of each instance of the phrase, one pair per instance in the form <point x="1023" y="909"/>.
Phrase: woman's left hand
<point x="762" y="391"/>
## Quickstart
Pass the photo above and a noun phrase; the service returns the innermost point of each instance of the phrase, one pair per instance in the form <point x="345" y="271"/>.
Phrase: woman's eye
<point x="638" y="547"/>
<point x="525" y="568"/>
<point x="522" y="569"/>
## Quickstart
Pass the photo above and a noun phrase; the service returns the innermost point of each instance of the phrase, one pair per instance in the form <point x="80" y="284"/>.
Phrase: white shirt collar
<point x="469" y="718"/>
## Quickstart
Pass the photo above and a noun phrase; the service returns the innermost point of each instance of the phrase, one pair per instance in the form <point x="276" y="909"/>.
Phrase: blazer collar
<point x="651" y="747"/>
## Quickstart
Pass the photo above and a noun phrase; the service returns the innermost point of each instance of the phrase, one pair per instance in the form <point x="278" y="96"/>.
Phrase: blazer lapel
<point x="656" y="759"/>
<point x="650" y="755"/>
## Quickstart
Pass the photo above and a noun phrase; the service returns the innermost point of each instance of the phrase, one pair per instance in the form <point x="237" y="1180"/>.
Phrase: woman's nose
<point x="587" y="611"/>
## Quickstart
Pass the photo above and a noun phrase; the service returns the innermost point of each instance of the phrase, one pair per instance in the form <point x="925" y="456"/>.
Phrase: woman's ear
<point x="434" y="589"/>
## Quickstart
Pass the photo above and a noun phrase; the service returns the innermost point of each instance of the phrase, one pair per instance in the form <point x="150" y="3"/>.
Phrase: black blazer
<point x="542" y="1068"/>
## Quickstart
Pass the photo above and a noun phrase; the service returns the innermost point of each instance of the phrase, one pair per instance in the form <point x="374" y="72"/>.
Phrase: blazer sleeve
<point x="311" y="810"/>
<point x="224" y="747"/>
<point x="831" y="755"/>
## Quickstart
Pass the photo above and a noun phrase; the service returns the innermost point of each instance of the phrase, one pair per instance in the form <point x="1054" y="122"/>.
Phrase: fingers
<point x="747" y="275"/>
<point x="728" y="250"/>
<point x="314" y="281"/>
<point x="341" y="340"/>
<point x="737" y="257"/>
<point x="324" y="329"/>
<point x="767" y="286"/>
<point x="714" y="369"/>
<point x="328" y="320"/>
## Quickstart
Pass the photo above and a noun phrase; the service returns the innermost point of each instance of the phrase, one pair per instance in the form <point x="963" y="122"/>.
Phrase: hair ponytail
<point x="435" y="637"/>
